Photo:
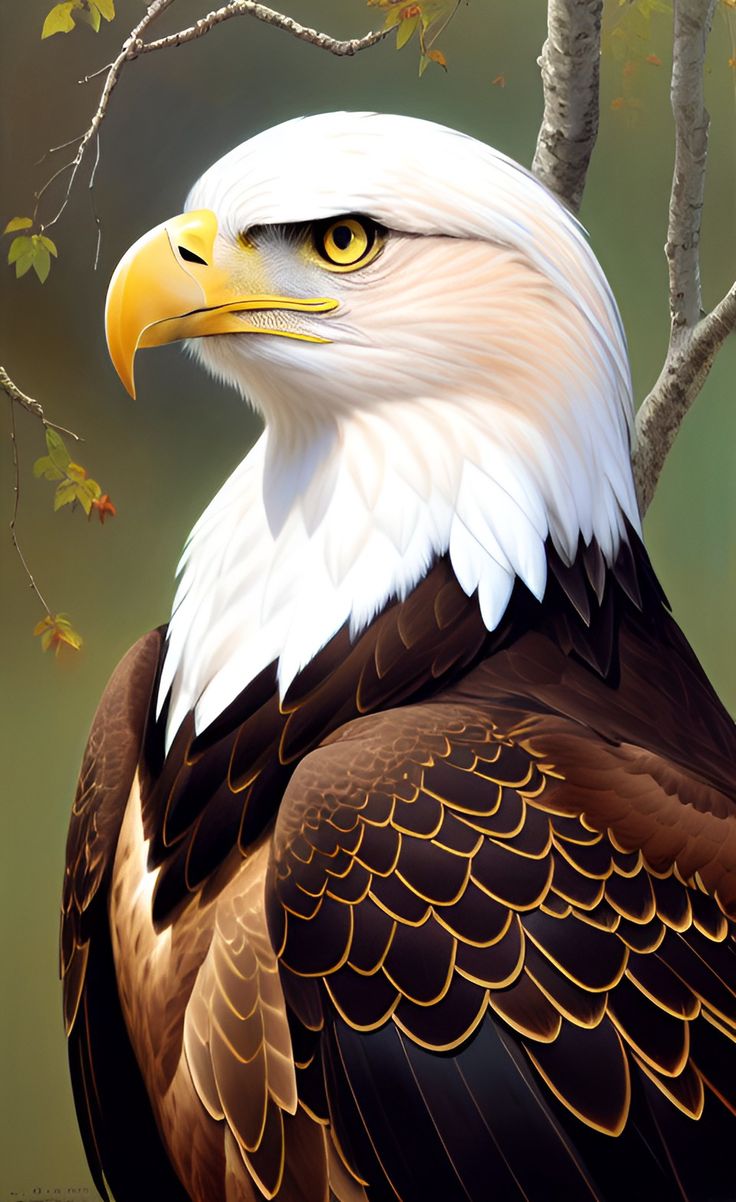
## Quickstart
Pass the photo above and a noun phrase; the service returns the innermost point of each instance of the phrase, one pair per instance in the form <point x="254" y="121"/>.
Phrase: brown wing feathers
<point x="217" y="791"/>
<point x="109" y="1094"/>
<point x="500" y="908"/>
<point x="485" y="897"/>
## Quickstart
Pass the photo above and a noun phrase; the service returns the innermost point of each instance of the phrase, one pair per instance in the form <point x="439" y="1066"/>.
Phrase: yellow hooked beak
<point x="166" y="287"/>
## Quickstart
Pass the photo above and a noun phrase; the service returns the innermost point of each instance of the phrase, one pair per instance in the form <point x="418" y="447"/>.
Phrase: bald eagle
<point x="402" y="866"/>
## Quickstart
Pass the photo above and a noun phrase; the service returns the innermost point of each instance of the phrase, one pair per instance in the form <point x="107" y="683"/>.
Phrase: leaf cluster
<point x="56" y="631"/>
<point x="29" y="250"/>
<point x="64" y="17"/>
<point x="72" y="482"/>
<point x="630" y="33"/>
<point x="427" y="20"/>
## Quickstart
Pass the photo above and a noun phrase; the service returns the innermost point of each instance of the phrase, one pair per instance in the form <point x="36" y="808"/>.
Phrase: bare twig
<point x="570" y="65"/>
<point x="17" y="397"/>
<point x="29" y="403"/>
<point x="238" y="8"/>
<point x="694" y="341"/>
<point x="16" y="501"/>
<point x="127" y="51"/>
<point x="134" y="46"/>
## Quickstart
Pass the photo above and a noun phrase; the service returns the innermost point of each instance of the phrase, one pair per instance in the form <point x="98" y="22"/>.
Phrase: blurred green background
<point x="162" y="457"/>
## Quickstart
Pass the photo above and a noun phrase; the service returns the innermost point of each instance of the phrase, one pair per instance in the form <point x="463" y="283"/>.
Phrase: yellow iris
<point x="347" y="242"/>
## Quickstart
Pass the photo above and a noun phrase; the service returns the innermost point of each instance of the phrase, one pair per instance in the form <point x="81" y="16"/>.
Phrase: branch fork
<point x="570" y="76"/>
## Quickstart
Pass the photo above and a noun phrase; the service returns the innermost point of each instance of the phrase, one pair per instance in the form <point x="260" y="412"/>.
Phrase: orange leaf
<point x="104" y="508"/>
<point x="499" y="82"/>
<point x="437" y="56"/>
<point x="411" y="10"/>
<point x="654" y="59"/>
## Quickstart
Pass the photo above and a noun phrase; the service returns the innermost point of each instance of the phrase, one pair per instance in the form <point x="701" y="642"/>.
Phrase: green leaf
<point x="105" y="7"/>
<point x="60" y="19"/>
<point x="93" y="488"/>
<point x="24" y="264"/>
<point x="46" y="467"/>
<point x="90" y="16"/>
<point x="56" y="446"/>
<point x="41" y="262"/>
<point x="22" y="245"/>
<point x="49" y="244"/>
<point x="86" y="492"/>
<point x="65" y="493"/>
<point x="33" y="251"/>
<point x="406" y="29"/>
<point x="18" y="223"/>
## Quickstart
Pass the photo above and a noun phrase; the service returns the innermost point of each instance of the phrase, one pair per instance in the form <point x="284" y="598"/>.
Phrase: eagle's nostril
<point x="190" y="256"/>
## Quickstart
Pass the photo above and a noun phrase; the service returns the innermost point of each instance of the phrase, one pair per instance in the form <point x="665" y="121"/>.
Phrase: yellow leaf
<point x="60" y="19"/>
<point x="105" y="7"/>
<point x="17" y="223"/>
<point x="56" y="631"/>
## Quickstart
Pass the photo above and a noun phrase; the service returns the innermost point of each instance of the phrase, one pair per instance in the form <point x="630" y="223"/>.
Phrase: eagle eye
<point x="346" y="243"/>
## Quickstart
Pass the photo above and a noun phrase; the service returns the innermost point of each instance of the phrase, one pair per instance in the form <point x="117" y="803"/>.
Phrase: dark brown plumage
<point x="454" y="921"/>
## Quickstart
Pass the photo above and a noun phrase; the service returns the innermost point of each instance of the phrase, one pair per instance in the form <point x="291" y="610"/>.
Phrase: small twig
<point x="127" y="50"/>
<point x="250" y="8"/>
<point x="95" y="214"/>
<point x="38" y="195"/>
<point x="16" y="502"/>
<point x="694" y="341"/>
<point x="570" y="65"/>
<point x="53" y="149"/>
<point x="31" y="405"/>
<point x="134" y="46"/>
<point x="88" y="78"/>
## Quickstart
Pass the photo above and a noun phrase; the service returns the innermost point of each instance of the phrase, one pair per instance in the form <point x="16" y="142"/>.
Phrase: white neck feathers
<point x="474" y="400"/>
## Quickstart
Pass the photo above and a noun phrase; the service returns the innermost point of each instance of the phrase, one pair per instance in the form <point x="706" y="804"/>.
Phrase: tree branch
<point x="694" y="341"/>
<point x="30" y="404"/>
<point x="127" y="51"/>
<point x="238" y="8"/>
<point x="692" y="25"/>
<point x="570" y="65"/>
<point x="686" y="367"/>
<point x="134" y="46"/>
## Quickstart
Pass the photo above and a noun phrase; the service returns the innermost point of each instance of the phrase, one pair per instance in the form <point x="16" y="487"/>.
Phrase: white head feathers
<point x="474" y="398"/>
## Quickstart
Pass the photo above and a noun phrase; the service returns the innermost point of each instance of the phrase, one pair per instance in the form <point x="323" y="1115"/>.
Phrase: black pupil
<point x="342" y="236"/>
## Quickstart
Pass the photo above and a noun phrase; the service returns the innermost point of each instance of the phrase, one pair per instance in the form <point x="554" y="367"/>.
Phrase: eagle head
<point x="440" y="365"/>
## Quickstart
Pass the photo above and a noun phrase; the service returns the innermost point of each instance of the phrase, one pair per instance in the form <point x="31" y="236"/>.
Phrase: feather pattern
<point x="404" y="866"/>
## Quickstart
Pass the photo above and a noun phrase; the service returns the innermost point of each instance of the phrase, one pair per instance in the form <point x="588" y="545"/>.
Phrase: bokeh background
<point x="162" y="457"/>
